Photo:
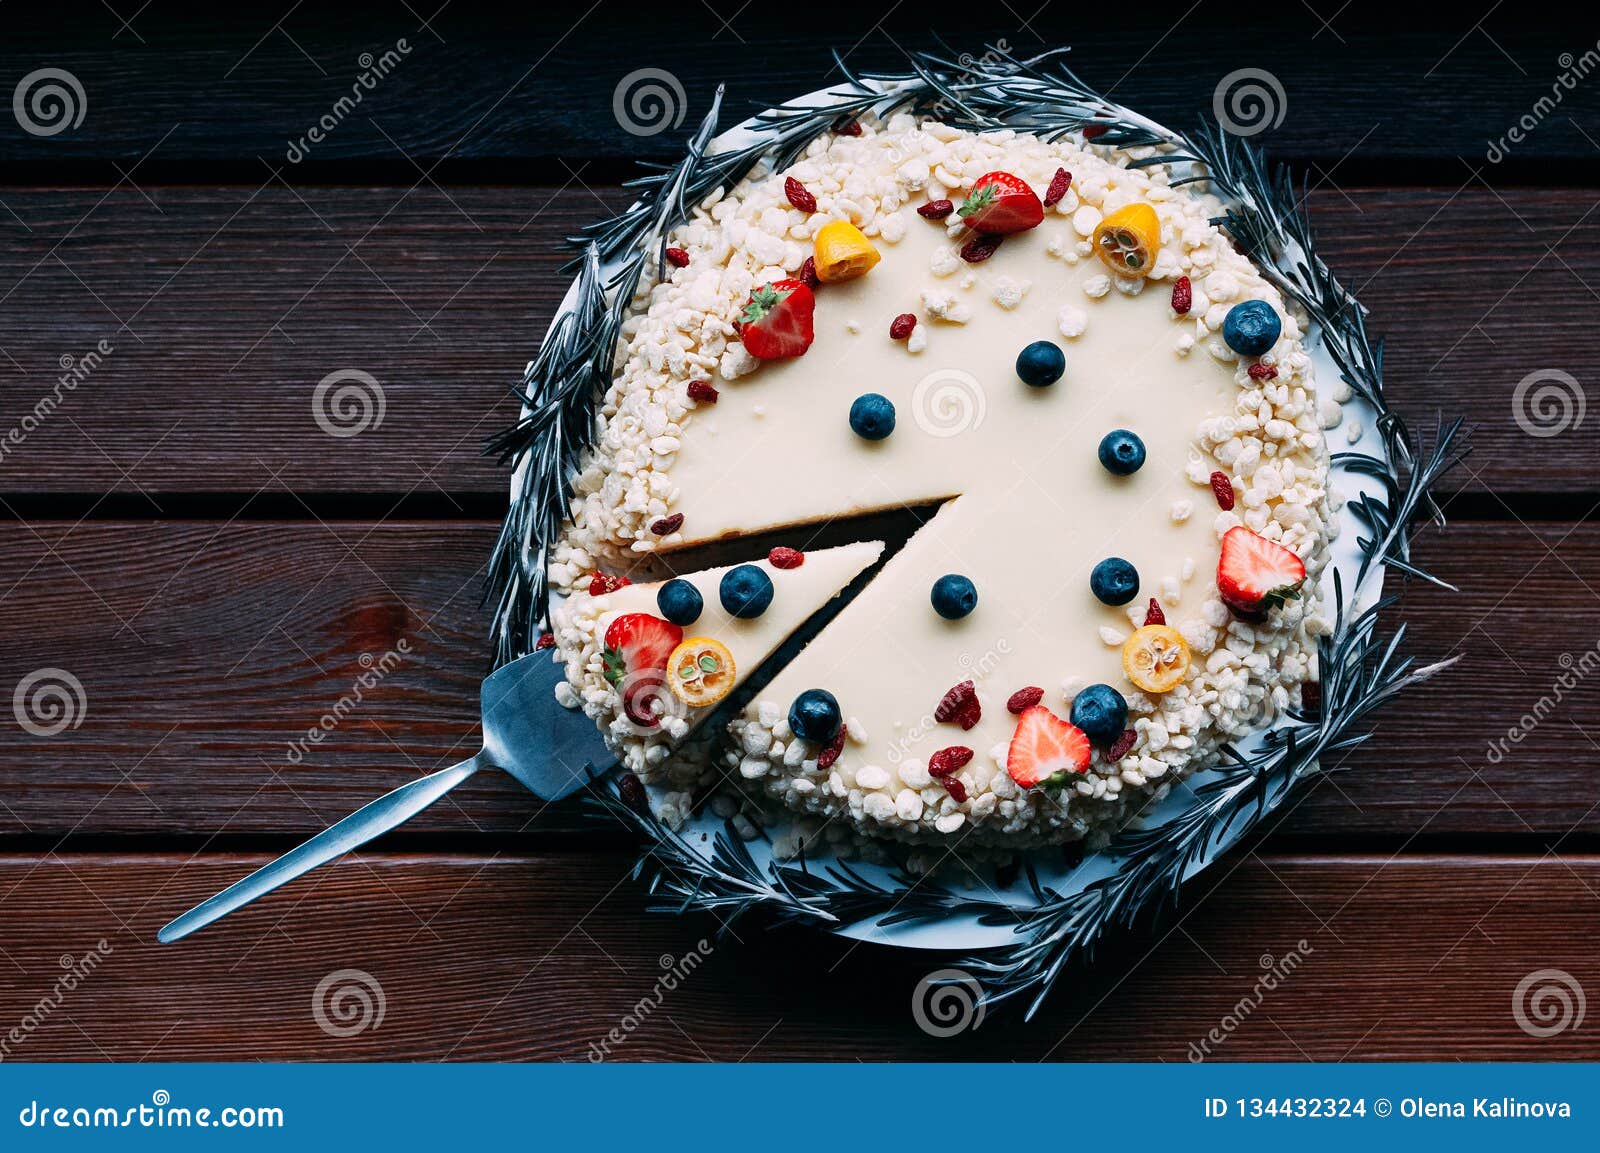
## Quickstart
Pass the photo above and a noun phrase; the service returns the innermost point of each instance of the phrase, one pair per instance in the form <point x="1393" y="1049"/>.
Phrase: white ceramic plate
<point x="964" y="932"/>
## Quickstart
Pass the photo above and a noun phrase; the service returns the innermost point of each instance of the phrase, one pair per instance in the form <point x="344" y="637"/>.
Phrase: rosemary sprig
<point x="559" y="396"/>
<point x="1359" y="669"/>
<point x="1359" y="672"/>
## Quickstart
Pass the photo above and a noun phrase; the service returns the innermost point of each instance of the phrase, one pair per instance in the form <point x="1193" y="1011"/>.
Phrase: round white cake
<point x="1108" y="408"/>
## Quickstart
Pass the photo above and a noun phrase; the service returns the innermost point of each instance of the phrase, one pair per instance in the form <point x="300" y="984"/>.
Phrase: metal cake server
<point x="552" y="750"/>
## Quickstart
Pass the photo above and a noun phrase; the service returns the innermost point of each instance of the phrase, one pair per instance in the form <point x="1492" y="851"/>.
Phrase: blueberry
<point x="1114" y="581"/>
<point x="680" y="602"/>
<point x="872" y="416"/>
<point x="1122" y="452"/>
<point x="1101" y="712"/>
<point x="1251" y="328"/>
<point x="1041" y="363"/>
<point x="746" y="591"/>
<point x="815" y="716"/>
<point x="954" y="596"/>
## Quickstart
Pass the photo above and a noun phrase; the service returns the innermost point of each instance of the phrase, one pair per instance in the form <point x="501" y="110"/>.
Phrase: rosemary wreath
<point x="1359" y="668"/>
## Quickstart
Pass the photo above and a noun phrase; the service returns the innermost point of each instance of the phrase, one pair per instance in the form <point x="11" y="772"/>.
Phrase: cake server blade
<point x="551" y="750"/>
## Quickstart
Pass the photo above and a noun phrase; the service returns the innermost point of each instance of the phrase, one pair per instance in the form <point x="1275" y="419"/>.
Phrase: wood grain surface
<point x="182" y="536"/>
<point x="1365" y="83"/>
<point x="539" y="957"/>
<point x="205" y="650"/>
<point x="225" y="307"/>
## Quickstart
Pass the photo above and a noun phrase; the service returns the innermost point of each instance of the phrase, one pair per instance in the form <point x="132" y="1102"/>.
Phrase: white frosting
<point x="1029" y="509"/>
<point x="797" y="595"/>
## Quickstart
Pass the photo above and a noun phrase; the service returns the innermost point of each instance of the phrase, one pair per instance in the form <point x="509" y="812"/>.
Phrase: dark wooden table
<point x="216" y="572"/>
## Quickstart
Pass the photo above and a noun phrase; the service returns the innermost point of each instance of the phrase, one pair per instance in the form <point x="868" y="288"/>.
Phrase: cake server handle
<point x="357" y="829"/>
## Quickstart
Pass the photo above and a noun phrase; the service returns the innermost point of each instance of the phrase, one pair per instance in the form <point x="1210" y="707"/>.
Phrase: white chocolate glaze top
<point x="1029" y="510"/>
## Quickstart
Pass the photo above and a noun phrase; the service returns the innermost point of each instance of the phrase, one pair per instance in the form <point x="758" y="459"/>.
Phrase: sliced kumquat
<point x="700" y="671"/>
<point x="842" y="252"/>
<point x="1128" y="240"/>
<point x="1156" y="658"/>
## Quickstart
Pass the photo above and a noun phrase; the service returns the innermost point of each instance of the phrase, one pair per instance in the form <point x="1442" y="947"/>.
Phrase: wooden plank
<point x="1366" y="84"/>
<point x="441" y="295"/>
<point x="541" y="957"/>
<point x="204" y="649"/>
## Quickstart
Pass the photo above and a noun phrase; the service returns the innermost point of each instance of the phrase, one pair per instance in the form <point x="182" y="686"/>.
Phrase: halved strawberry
<point x="1046" y="750"/>
<point x="776" y="321"/>
<point x="1000" y="204"/>
<point x="635" y="659"/>
<point x="1255" y="574"/>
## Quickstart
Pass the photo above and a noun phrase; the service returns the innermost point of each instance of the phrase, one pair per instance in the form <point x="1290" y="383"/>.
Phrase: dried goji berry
<point x="799" y="195"/>
<point x="980" y="248"/>
<point x="1024" y="698"/>
<point x="830" y="752"/>
<point x="1059" y="183"/>
<point x="1182" y="296"/>
<point x="1119" y="748"/>
<point x="1222" y="487"/>
<point x="946" y="761"/>
<point x="960" y="705"/>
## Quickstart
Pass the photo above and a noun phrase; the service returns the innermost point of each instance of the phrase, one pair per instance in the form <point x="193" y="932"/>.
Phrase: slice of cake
<point x="650" y="661"/>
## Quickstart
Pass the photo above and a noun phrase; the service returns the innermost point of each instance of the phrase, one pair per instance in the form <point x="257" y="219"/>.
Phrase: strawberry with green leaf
<point x="1000" y="204"/>
<point x="1255" y="574"/>
<point x="775" y="322"/>
<point x="635" y="661"/>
